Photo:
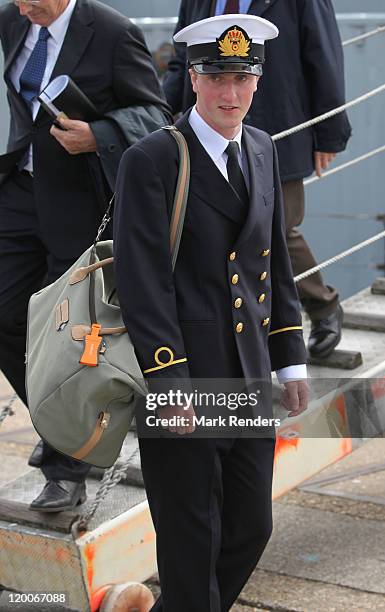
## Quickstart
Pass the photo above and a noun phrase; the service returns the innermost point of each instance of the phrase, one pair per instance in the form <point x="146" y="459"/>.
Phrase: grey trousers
<point x="319" y="300"/>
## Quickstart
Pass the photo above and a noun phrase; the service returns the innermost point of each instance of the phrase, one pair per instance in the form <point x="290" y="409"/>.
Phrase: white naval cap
<point x="230" y="43"/>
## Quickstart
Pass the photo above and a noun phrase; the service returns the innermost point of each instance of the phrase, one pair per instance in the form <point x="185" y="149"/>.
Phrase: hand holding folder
<point x="71" y="110"/>
<point x="63" y="98"/>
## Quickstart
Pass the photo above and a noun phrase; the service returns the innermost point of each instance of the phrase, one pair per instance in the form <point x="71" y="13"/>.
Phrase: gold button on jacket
<point x="265" y="322"/>
<point x="262" y="298"/>
<point x="232" y="256"/>
<point x="263" y="276"/>
<point x="235" y="279"/>
<point x="265" y="253"/>
<point x="239" y="328"/>
<point x="238" y="303"/>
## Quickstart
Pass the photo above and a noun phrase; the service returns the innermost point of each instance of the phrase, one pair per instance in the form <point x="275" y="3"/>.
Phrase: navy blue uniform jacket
<point x="226" y="253"/>
<point x="303" y="77"/>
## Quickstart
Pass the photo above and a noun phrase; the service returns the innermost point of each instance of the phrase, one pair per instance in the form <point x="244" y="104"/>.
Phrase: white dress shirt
<point x="216" y="145"/>
<point x="58" y="30"/>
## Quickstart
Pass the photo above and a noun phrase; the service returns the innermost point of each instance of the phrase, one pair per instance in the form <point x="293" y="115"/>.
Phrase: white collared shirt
<point x="215" y="145"/>
<point x="58" y="30"/>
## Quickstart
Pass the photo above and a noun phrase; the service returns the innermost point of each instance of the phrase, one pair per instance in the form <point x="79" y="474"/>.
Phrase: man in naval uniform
<point x="304" y="78"/>
<point x="229" y="311"/>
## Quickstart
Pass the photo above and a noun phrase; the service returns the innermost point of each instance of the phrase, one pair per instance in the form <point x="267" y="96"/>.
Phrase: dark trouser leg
<point x="247" y="513"/>
<point x="318" y="299"/>
<point x="24" y="267"/>
<point x="22" y="271"/>
<point x="181" y="477"/>
<point x="210" y="502"/>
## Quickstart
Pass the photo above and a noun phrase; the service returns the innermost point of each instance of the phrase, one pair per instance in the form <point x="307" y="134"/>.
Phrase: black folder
<point x="63" y="97"/>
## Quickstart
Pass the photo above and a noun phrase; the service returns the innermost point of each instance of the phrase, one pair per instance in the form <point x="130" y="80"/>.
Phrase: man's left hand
<point x="322" y="161"/>
<point x="296" y="397"/>
<point x="76" y="136"/>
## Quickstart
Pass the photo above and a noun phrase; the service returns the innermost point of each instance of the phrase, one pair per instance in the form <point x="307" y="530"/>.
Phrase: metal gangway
<point x="95" y="554"/>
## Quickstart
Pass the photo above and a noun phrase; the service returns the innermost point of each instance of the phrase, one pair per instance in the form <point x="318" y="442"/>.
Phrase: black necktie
<point x="234" y="172"/>
<point x="232" y="6"/>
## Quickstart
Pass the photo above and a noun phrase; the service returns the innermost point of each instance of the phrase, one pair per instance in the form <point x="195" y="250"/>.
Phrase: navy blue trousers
<point x="210" y="501"/>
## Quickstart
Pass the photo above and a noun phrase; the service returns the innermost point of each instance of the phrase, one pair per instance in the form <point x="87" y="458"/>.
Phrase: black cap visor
<point x="221" y="67"/>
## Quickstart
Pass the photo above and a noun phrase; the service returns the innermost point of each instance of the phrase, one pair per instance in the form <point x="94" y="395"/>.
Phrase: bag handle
<point x="176" y="229"/>
<point x="81" y="273"/>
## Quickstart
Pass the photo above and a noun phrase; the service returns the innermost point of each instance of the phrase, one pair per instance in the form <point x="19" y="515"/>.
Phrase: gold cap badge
<point x="234" y="42"/>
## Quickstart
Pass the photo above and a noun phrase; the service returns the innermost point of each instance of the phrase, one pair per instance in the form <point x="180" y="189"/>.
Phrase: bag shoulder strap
<point x="180" y="197"/>
<point x="181" y="193"/>
<point x="176" y="225"/>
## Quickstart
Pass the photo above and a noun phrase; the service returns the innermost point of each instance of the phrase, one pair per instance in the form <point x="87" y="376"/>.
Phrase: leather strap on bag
<point x="181" y="194"/>
<point x="176" y="229"/>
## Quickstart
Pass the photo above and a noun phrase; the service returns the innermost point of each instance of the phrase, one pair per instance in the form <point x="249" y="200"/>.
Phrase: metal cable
<point x="329" y="114"/>
<point x="352" y="162"/>
<point x="358" y="217"/>
<point x="350" y="41"/>
<point x="110" y="479"/>
<point x="346" y="253"/>
<point x="8" y="409"/>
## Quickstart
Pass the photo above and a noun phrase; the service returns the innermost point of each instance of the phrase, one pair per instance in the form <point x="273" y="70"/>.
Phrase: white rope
<point x="329" y="114"/>
<point x="379" y="217"/>
<point x="350" y="41"/>
<point x="352" y="162"/>
<point x="346" y="253"/>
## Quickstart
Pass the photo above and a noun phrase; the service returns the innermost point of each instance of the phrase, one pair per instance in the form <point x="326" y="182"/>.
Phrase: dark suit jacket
<point x="105" y="54"/>
<point x="192" y="312"/>
<point x="303" y="77"/>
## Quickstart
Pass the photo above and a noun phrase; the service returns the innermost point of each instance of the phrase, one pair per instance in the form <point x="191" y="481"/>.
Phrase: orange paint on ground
<point x="341" y="408"/>
<point x="89" y="552"/>
<point x="96" y="598"/>
<point x="347" y="446"/>
<point x="283" y="446"/>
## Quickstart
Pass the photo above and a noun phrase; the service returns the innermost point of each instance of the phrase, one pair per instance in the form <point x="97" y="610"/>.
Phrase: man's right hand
<point x="295" y="397"/>
<point x="322" y="161"/>
<point x="184" y="418"/>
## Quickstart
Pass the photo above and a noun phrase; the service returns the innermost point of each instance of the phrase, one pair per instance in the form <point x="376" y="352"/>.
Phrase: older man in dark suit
<point x="304" y="78"/>
<point x="56" y="181"/>
<point x="229" y="311"/>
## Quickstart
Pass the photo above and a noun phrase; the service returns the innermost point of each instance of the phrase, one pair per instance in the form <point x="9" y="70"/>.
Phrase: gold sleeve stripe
<point x="165" y="365"/>
<point x="285" y="329"/>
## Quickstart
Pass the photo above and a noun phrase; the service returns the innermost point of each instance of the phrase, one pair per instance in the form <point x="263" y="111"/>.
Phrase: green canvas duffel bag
<point x="82" y="375"/>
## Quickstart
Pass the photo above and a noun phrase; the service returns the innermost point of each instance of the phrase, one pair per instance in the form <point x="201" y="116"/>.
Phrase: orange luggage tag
<point x="91" y="350"/>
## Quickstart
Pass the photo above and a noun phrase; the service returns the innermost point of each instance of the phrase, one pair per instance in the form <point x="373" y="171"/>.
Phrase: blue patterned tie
<point x="32" y="75"/>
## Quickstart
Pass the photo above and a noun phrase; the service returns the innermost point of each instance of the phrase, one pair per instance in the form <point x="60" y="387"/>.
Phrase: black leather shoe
<point x="325" y="334"/>
<point x="59" y="495"/>
<point x="36" y="458"/>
